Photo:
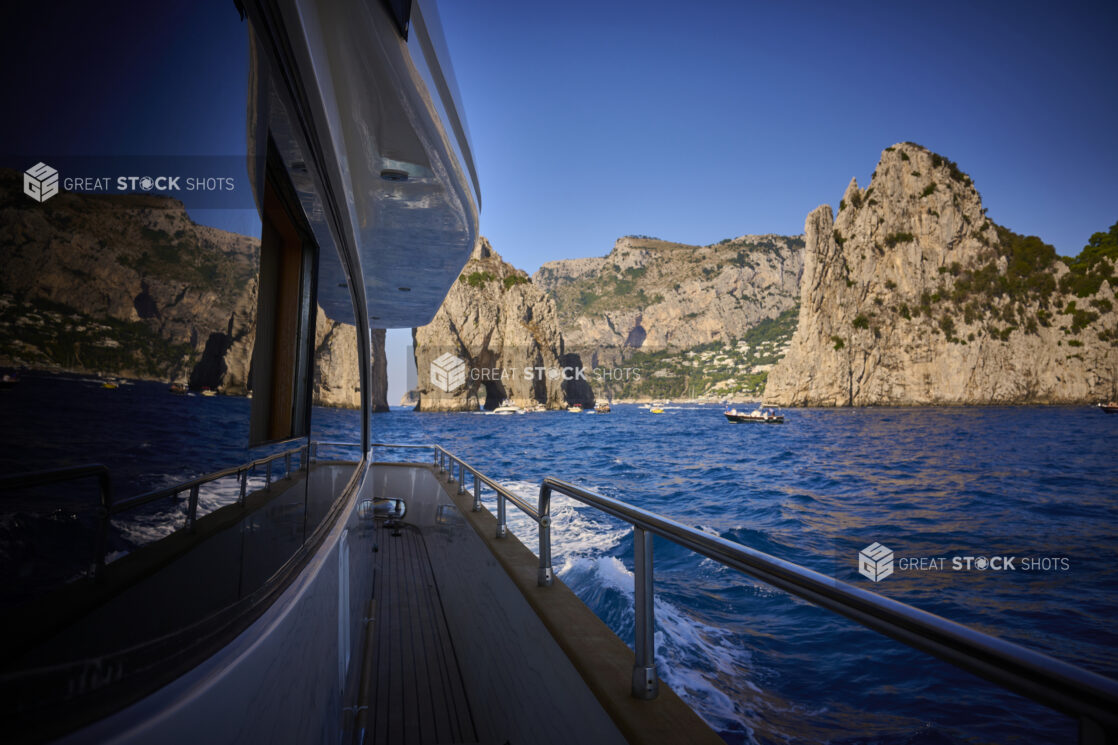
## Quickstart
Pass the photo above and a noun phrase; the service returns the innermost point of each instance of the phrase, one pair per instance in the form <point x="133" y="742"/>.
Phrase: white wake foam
<point x="701" y="662"/>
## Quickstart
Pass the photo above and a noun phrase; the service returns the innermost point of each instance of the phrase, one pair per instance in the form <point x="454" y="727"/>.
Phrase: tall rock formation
<point x="336" y="374"/>
<point x="652" y="295"/>
<point x="130" y="285"/>
<point x="496" y="336"/>
<point x="911" y="296"/>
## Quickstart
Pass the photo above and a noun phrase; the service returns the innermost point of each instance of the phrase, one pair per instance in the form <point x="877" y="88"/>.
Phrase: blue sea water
<point x="1035" y="483"/>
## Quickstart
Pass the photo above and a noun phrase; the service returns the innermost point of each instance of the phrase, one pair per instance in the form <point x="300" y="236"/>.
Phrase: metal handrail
<point x="1089" y="698"/>
<point x="241" y="471"/>
<point x="445" y="462"/>
<point x="73" y="473"/>
<point x="109" y="508"/>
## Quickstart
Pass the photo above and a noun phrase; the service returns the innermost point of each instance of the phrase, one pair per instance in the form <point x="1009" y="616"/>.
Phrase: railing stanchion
<point x="287" y="465"/>
<point x="192" y="507"/>
<point x="104" y="515"/>
<point x="502" y="528"/>
<point x="645" y="683"/>
<point x="242" y="476"/>
<point x="546" y="576"/>
<point x="477" y="493"/>
<point x="268" y="480"/>
<point x="461" y="478"/>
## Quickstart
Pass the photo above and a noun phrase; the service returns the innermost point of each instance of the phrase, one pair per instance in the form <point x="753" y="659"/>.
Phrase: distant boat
<point x="508" y="407"/>
<point x="209" y="392"/>
<point x="602" y="409"/>
<point x="1110" y="407"/>
<point x="178" y="389"/>
<point x="110" y="385"/>
<point x="575" y="408"/>
<point x="9" y="380"/>
<point x="763" y="416"/>
<point x="656" y="410"/>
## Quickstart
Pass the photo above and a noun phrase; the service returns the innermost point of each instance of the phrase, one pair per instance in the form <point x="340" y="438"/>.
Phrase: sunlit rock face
<point x="911" y="296"/>
<point x="650" y="294"/>
<point x="504" y="331"/>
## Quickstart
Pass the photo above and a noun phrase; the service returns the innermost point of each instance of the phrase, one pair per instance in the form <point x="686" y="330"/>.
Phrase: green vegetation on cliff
<point x="618" y="290"/>
<point x="661" y="269"/>
<point x="43" y="332"/>
<point x="734" y="368"/>
<point x="181" y="257"/>
<point x="1094" y="264"/>
<point x="1014" y="287"/>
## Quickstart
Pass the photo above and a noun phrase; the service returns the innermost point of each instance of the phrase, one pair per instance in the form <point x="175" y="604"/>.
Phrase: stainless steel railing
<point x="1089" y="698"/>
<point x="108" y="508"/>
<point x="75" y="473"/>
<point x="541" y="515"/>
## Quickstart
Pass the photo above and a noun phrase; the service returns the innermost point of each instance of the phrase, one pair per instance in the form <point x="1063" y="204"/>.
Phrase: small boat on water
<point x="764" y="416"/>
<point x="508" y="407"/>
<point x="602" y="409"/>
<point x="209" y="392"/>
<point x="179" y="389"/>
<point x="1110" y="407"/>
<point x="656" y="410"/>
<point x="575" y="408"/>
<point x="110" y="385"/>
<point x="9" y="380"/>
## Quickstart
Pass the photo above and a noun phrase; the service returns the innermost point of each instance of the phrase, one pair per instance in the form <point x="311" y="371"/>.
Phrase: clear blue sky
<point x="700" y="121"/>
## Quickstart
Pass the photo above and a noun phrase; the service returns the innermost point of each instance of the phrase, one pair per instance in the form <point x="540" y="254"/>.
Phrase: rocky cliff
<point x="651" y="295"/>
<point x="911" y="296"/>
<point x="336" y="374"/>
<point x="131" y="286"/>
<point x="496" y="336"/>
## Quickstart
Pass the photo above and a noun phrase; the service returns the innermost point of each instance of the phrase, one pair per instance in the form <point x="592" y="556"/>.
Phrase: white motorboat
<point x="507" y="407"/>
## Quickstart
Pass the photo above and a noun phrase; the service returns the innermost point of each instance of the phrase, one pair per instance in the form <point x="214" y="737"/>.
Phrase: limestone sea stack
<point x="495" y="337"/>
<point x="912" y="296"/>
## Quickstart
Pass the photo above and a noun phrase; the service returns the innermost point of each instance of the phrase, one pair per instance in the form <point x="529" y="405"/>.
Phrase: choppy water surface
<point x="1038" y="484"/>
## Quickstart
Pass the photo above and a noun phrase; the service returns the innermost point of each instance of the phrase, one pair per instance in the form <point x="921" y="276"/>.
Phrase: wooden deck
<point x="416" y="695"/>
